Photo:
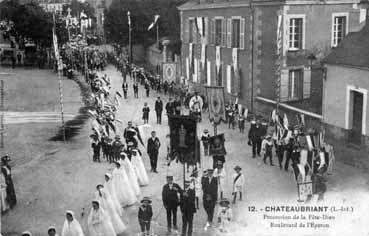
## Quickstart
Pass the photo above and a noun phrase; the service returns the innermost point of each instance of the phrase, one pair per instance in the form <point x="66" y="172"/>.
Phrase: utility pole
<point x="130" y="37"/>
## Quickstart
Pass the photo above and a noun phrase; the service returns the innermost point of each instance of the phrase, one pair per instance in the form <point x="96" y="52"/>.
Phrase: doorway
<point x="357" y="117"/>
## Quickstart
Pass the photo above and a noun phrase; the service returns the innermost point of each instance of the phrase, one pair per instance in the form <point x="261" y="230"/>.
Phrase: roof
<point x="353" y="50"/>
<point x="211" y="4"/>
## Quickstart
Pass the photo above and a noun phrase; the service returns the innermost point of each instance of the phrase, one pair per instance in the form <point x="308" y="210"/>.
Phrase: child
<point x="196" y="181"/>
<point x="238" y="182"/>
<point x="267" y="148"/>
<point x="241" y="122"/>
<point x="145" y="115"/>
<point x="224" y="215"/>
<point x="219" y="172"/>
<point x="205" y="141"/>
<point x="145" y="215"/>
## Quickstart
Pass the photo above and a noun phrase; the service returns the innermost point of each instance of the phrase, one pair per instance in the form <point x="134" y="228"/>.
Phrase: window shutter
<point x="187" y="31"/>
<point x="206" y="31"/>
<point x="212" y="32"/>
<point x="283" y="93"/>
<point x="307" y="83"/>
<point x="242" y="33"/>
<point x="224" y="33"/>
<point x="229" y="33"/>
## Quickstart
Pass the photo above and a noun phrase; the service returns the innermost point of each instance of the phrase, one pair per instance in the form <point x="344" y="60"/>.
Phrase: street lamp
<point x="130" y="37"/>
<point x="311" y="59"/>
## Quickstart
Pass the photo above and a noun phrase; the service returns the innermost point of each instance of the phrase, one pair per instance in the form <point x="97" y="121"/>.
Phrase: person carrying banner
<point x="170" y="201"/>
<point x="187" y="205"/>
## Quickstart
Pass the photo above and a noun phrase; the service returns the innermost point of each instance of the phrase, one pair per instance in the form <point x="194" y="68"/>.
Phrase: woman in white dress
<point x="71" y="225"/>
<point x="110" y="189"/>
<point x="123" y="188"/>
<point x="133" y="179"/>
<point x="98" y="222"/>
<point x="107" y="205"/>
<point x="139" y="167"/>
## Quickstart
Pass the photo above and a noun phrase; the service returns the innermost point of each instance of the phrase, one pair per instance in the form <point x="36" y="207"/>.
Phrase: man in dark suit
<point x="153" y="145"/>
<point x="171" y="201"/>
<point x="158" y="110"/>
<point x="210" y="195"/>
<point x="188" y="208"/>
<point x="255" y="134"/>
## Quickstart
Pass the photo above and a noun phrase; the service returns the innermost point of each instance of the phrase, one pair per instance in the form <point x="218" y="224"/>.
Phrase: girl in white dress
<point x="139" y="167"/>
<point x="98" y="222"/>
<point x="71" y="225"/>
<point x="133" y="179"/>
<point x="106" y="204"/>
<point x="109" y="187"/>
<point x="124" y="191"/>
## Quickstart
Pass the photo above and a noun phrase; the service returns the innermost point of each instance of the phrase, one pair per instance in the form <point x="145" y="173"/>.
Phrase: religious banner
<point x="217" y="145"/>
<point x="169" y="72"/>
<point x="215" y="98"/>
<point x="183" y="136"/>
<point x="279" y="58"/>
<point x="217" y="58"/>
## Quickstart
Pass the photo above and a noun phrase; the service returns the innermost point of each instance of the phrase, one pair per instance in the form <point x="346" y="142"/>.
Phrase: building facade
<point x="265" y="52"/>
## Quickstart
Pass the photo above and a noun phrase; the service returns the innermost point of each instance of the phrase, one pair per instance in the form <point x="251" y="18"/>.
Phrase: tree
<point x="142" y="14"/>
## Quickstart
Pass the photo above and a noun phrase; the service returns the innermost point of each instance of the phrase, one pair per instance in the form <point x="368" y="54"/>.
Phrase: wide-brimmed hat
<point x="187" y="182"/>
<point x="206" y="131"/>
<point x="130" y="143"/>
<point x="219" y="163"/>
<point x="209" y="170"/>
<point x="146" y="199"/>
<point x="237" y="168"/>
<point x="224" y="201"/>
<point x="268" y="136"/>
<point x="170" y="177"/>
<point x="5" y="158"/>
<point x="117" y="137"/>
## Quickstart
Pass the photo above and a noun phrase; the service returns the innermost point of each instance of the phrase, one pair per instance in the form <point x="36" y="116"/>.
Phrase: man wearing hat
<point x="188" y="208"/>
<point x="210" y="195"/>
<point x="238" y="182"/>
<point x="267" y="149"/>
<point x="153" y="145"/>
<point x="145" y="215"/>
<point x="158" y="110"/>
<point x="255" y="134"/>
<point x="170" y="200"/>
<point x="96" y="147"/>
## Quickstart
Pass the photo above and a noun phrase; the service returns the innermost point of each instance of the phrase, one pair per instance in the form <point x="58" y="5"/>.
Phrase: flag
<point x="129" y="18"/>
<point x="156" y="18"/>
<point x="215" y="97"/>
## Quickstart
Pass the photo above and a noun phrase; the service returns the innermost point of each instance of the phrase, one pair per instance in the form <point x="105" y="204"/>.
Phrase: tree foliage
<point x="30" y="21"/>
<point x="142" y="15"/>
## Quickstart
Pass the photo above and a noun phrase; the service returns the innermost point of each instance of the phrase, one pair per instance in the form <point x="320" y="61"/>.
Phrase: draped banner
<point x="215" y="97"/>
<point x="235" y="58"/>
<point x="229" y="79"/>
<point x="191" y="57"/>
<point x="217" y="58"/>
<point x="169" y="72"/>
<point x="203" y="54"/>
<point x="208" y="73"/>
<point x="217" y="145"/>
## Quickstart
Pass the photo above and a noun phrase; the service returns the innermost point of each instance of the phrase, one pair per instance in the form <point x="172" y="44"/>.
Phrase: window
<point x="191" y="31"/>
<point x="339" y="29"/>
<point x="236" y="23"/>
<point x="296" y="32"/>
<point x="218" y="32"/>
<point x="295" y="84"/>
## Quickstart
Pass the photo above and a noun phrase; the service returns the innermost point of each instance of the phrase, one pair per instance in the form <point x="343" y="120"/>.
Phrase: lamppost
<point x="130" y="37"/>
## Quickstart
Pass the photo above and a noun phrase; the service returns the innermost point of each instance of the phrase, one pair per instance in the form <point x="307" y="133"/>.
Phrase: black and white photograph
<point x="184" y="117"/>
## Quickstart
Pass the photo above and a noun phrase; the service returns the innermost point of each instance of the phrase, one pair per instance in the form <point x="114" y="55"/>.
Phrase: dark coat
<point x="159" y="106"/>
<point x="145" y="213"/>
<point x="255" y="132"/>
<point x="210" y="189"/>
<point x="187" y="202"/>
<point x="170" y="196"/>
<point x="152" y="146"/>
<point x="169" y="108"/>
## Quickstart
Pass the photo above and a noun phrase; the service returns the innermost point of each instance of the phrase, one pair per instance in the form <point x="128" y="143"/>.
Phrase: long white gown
<point x="139" y="167"/>
<point x="126" y="163"/>
<point x="106" y="204"/>
<point x="3" y="203"/>
<point x="72" y="228"/>
<point x="123" y="188"/>
<point x="109" y="187"/>
<point x="99" y="223"/>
